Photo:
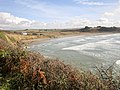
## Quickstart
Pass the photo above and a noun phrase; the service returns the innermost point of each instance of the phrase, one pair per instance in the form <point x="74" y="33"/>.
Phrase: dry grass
<point x="19" y="37"/>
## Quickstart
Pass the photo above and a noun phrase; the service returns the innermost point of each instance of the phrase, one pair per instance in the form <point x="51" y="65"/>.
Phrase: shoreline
<point x="54" y="55"/>
<point x="63" y="36"/>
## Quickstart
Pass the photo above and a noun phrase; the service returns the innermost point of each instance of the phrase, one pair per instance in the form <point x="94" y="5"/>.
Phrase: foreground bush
<point x="23" y="70"/>
<point x="17" y="67"/>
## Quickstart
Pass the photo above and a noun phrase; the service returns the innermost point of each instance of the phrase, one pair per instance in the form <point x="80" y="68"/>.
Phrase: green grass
<point x="3" y="36"/>
<point x="12" y="39"/>
<point x="7" y="38"/>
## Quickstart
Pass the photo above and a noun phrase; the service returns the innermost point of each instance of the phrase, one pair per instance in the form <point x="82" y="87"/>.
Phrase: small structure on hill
<point x="24" y="33"/>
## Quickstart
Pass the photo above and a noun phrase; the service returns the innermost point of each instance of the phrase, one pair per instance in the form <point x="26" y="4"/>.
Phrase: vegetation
<point x="5" y="37"/>
<point x="25" y="70"/>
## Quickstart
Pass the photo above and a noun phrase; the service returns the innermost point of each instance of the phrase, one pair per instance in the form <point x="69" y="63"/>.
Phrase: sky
<point x="53" y="14"/>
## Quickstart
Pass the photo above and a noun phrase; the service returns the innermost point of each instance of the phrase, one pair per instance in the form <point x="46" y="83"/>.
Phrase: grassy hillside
<point x="24" y="70"/>
<point x="7" y="38"/>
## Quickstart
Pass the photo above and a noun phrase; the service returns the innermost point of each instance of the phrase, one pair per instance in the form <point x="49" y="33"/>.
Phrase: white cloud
<point x="46" y="9"/>
<point x="7" y="18"/>
<point x="78" y="22"/>
<point x="89" y="2"/>
<point x="40" y="6"/>
<point x="107" y="14"/>
<point x="113" y="14"/>
<point x="104" y="22"/>
<point x="8" y="21"/>
<point x="112" y="17"/>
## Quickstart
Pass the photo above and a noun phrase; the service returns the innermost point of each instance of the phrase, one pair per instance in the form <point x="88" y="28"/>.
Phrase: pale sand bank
<point x="62" y="36"/>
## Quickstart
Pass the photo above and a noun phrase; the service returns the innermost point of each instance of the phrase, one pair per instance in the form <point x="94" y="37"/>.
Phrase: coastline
<point x="35" y="40"/>
<point x="58" y="52"/>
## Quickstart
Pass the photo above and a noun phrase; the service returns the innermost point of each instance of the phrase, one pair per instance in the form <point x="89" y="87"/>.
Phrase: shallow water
<point x="85" y="51"/>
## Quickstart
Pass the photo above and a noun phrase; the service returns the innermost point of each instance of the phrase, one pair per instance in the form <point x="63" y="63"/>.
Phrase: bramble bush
<point x="25" y="70"/>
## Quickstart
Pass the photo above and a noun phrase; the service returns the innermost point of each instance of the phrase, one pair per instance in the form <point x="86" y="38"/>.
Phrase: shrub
<point x="25" y="70"/>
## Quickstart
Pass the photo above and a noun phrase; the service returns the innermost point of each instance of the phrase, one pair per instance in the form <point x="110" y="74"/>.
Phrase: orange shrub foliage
<point x="39" y="76"/>
<point x="24" y="66"/>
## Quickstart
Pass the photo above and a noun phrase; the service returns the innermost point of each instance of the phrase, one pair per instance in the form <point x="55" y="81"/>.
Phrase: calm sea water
<point x="82" y="51"/>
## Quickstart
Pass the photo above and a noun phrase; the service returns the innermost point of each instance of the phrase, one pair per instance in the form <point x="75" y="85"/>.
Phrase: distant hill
<point x="85" y="29"/>
<point x="100" y="29"/>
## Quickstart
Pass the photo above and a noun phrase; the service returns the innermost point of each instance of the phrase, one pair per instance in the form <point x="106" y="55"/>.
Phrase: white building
<point x="24" y="33"/>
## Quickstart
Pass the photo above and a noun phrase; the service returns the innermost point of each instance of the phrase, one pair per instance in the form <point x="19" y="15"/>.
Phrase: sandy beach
<point x="39" y="39"/>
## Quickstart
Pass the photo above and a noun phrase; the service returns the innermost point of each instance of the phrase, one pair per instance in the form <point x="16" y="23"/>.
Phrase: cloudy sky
<point x="22" y="14"/>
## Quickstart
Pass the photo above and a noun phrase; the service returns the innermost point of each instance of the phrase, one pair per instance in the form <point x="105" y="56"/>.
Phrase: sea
<point x="84" y="51"/>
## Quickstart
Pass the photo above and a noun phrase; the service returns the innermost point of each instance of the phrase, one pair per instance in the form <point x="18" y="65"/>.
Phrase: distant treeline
<point x="100" y="29"/>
